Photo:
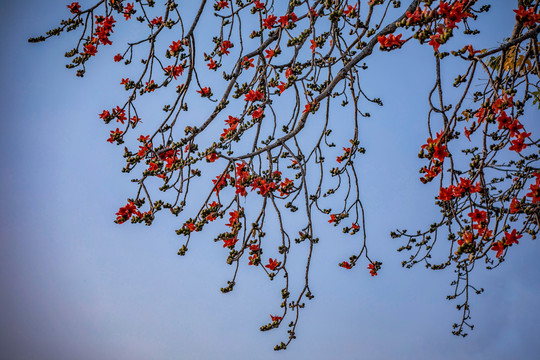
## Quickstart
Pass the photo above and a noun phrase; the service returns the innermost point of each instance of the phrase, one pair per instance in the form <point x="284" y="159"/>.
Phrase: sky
<point x="75" y="285"/>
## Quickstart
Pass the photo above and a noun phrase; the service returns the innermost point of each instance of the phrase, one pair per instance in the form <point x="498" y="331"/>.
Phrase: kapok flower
<point x="74" y="8"/>
<point x="499" y="248"/>
<point x="511" y="238"/>
<point x="272" y="264"/>
<point x="390" y="42"/>
<point x="221" y="4"/>
<point x="372" y="269"/>
<point x="270" y="21"/>
<point x="205" y="92"/>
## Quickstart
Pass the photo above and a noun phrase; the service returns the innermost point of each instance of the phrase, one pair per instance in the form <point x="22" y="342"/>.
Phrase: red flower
<point x="390" y="42"/>
<point x="332" y="218"/>
<point x="345" y="265"/>
<point x="230" y="242"/>
<point x="307" y="108"/>
<point x="143" y="139"/>
<point x="504" y="120"/>
<point x="270" y="53"/>
<point x="125" y="212"/>
<point x="118" y="58"/>
<point x="115" y="134"/>
<point x="467" y="238"/>
<point x="527" y="17"/>
<point x="350" y="11"/>
<point x="124" y="81"/>
<point x="205" y="92"/>
<point x="499" y="248"/>
<point x="270" y="21"/>
<point x="254" y="95"/>
<point x="252" y="259"/>
<point x="222" y="4"/>
<point x="414" y="17"/>
<point x="313" y="46"/>
<point x="288" y="73"/>
<point x="74" y="7"/>
<point x="247" y="63"/>
<point x="514" y="206"/>
<point x="285" y="187"/>
<point x="169" y="163"/>
<point x="275" y="318"/>
<point x="174" y="71"/>
<point x="90" y="49"/>
<point x="535" y="190"/>
<point x="372" y="269"/>
<point x="282" y="86"/>
<point x="225" y="45"/>
<point x="212" y="157"/>
<point x="175" y="48"/>
<point x="258" y="4"/>
<point x="435" y="41"/>
<point x="254" y="247"/>
<point x="257" y="113"/>
<point x="514" y="128"/>
<point x="191" y="226"/>
<point x="153" y="166"/>
<point x="135" y="120"/>
<point x="511" y="238"/>
<point x="104" y="115"/>
<point x="233" y="219"/>
<point x="445" y="194"/>
<point x="272" y="264"/>
<point x="478" y="215"/>
<point x="517" y="145"/>
<point x="128" y="10"/>
<point x="158" y="20"/>
<point x="212" y="64"/>
<point x="440" y="152"/>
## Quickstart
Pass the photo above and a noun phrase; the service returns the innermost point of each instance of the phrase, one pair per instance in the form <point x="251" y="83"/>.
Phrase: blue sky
<point x="77" y="286"/>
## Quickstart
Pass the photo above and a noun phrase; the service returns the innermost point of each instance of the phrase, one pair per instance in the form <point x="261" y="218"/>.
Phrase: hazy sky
<point x="77" y="286"/>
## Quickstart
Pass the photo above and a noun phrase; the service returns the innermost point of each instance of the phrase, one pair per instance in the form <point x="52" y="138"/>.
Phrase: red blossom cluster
<point x="221" y="4"/>
<point x="254" y="95"/>
<point x="527" y="16"/>
<point x="464" y="187"/>
<point x="534" y="194"/>
<point x="346" y="155"/>
<point x="436" y="150"/>
<point x="390" y="42"/>
<point x="233" y="124"/>
<point x="174" y="71"/>
<point x="270" y="21"/>
<point x="350" y="11"/>
<point x="74" y="8"/>
<point x="115" y="135"/>
<point x="104" y="29"/>
<point x="225" y="46"/>
<point x="128" y="11"/>
<point x="287" y="19"/>
<point x="453" y="13"/>
<point x="125" y="212"/>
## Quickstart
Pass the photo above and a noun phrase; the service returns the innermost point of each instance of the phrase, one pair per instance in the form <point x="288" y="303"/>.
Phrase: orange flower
<point x="272" y="264"/>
